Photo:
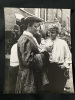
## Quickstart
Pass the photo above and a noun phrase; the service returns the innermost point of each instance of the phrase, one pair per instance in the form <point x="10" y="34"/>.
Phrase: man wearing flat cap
<point x="29" y="78"/>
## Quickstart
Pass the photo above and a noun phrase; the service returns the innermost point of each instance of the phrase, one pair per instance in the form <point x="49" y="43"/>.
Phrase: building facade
<point x="47" y="14"/>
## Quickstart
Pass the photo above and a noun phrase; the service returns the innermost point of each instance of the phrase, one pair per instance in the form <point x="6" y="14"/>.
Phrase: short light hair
<point x="54" y="27"/>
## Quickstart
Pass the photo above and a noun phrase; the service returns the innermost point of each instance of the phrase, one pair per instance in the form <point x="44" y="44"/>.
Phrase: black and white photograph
<point x="38" y="51"/>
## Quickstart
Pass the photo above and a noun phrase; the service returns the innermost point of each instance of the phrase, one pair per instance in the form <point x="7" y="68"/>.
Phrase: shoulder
<point x="24" y="42"/>
<point x="22" y="39"/>
<point x="14" y="46"/>
<point x="61" y="41"/>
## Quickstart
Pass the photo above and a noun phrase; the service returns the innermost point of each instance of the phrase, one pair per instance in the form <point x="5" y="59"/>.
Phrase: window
<point x="42" y="13"/>
<point x="47" y="14"/>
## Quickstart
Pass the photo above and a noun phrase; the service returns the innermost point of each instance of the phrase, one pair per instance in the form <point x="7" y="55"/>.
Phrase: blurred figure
<point x="14" y="62"/>
<point x="15" y="34"/>
<point x="22" y="26"/>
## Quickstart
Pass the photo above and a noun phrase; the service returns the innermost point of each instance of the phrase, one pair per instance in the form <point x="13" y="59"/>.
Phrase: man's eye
<point x="35" y="26"/>
<point x="52" y="32"/>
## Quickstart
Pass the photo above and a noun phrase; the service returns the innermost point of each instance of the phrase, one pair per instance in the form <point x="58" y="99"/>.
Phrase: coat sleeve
<point x="28" y="53"/>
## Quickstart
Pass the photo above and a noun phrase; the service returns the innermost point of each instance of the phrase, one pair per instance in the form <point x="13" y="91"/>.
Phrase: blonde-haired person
<point x="60" y="61"/>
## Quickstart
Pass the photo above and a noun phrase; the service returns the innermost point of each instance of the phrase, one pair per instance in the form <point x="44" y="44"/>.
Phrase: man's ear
<point x="28" y="26"/>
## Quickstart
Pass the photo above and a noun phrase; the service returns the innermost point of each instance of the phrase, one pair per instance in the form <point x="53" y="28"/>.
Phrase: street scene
<point x="38" y="57"/>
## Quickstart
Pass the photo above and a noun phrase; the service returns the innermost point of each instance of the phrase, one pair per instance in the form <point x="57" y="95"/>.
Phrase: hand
<point x="49" y="49"/>
<point x="63" y="67"/>
<point x="43" y="50"/>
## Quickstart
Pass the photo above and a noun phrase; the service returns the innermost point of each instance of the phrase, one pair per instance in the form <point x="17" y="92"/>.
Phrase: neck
<point x="29" y="31"/>
<point x="53" y="39"/>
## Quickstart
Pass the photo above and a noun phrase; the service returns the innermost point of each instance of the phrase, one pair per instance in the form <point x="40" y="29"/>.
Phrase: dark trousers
<point x="12" y="78"/>
<point x="57" y="79"/>
<point x="38" y="81"/>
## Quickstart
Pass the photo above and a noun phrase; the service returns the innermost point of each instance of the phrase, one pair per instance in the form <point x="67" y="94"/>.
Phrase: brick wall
<point x="10" y="19"/>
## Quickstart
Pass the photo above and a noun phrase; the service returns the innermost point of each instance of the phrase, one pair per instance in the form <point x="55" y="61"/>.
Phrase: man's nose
<point x="37" y="28"/>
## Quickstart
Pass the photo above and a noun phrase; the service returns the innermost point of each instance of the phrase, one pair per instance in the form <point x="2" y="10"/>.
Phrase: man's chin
<point x="53" y="38"/>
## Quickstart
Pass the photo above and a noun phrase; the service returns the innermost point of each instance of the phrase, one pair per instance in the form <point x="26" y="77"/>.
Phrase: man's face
<point x="35" y="28"/>
<point x="53" y="35"/>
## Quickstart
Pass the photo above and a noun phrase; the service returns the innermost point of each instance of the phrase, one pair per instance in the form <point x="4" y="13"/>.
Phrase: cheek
<point x="52" y="34"/>
<point x="33" y="29"/>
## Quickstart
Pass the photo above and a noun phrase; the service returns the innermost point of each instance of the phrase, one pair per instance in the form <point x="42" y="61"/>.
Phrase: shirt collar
<point x="31" y="35"/>
<point x="28" y="33"/>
